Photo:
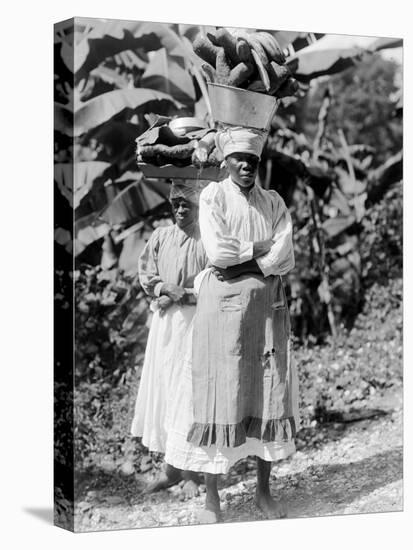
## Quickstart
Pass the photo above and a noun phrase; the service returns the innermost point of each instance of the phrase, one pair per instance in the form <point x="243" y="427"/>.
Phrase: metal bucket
<point x="239" y="107"/>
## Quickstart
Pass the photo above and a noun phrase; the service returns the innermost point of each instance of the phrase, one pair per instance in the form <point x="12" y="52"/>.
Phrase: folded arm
<point x="279" y="260"/>
<point x="149" y="277"/>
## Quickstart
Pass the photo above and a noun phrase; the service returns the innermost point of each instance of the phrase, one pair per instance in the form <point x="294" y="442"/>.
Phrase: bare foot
<point x="271" y="508"/>
<point x="171" y="476"/>
<point x="211" y="513"/>
<point x="190" y="489"/>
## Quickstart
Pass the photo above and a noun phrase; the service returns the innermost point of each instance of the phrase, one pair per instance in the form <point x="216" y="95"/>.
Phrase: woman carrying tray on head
<point x="171" y="259"/>
<point x="245" y="392"/>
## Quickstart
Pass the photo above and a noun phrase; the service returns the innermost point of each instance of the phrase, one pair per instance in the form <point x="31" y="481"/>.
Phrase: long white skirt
<point x="161" y="374"/>
<point x="164" y="406"/>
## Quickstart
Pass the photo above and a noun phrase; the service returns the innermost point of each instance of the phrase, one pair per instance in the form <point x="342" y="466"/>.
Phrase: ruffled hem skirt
<point x="213" y="459"/>
<point x="164" y="405"/>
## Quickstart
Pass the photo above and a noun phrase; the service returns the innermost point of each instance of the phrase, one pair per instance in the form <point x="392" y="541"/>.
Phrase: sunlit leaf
<point x="83" y="43"/>
<point x="165" y="74"/>
<point x="307" y="65"/>
<point x="102" y="108"/>
<point x="384" y="43"/>
<point x="139" y="198"/>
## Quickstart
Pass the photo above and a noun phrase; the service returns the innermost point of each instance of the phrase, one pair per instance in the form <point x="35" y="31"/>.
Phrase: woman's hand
<point x="164" y="302"/>
<point x="218" y="273"/>
<point x="174" y="292"/>
<point x="234" y="271"/>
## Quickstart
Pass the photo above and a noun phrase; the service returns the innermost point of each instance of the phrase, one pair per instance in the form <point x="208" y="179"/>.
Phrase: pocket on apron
<point x="231" y="303"/>
<point x="280" y="300"/>
<point x="231" y="307"/>
<point x="281" y="318"/>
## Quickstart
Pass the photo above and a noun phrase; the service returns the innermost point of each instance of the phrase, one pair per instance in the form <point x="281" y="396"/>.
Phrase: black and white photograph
<point x="228" y="274"/>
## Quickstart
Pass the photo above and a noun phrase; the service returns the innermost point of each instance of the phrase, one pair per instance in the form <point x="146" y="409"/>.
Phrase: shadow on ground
<point x="329" y="488"/>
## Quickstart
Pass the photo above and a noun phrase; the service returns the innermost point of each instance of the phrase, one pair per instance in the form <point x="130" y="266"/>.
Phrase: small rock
<point x="127" y="468"/>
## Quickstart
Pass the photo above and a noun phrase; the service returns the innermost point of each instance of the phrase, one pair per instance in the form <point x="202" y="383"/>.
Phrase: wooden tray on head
<point x="169" y="171"/>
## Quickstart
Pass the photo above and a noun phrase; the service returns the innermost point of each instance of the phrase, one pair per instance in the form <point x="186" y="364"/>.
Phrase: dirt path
<point x="354" y="468"/>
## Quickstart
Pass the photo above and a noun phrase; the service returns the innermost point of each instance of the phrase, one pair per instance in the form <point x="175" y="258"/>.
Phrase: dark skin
<point x="243" y="169"/>
<point x="186" y="218"/>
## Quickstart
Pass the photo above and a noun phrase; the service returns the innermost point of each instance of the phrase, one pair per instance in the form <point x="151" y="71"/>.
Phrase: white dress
<point x="170" y="256"/>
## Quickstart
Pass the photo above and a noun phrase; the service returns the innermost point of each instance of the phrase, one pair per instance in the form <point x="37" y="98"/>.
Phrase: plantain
<point x="209" y="72"/>
<point x="223" y="68"/>
<point x="240" y="74"/>
<point x="229" y="42"/>
<point x="271" y="46"/>
<point x="254" y="45"/>
<point x="244" y="50"/>
<point x="205" y="49"/>
<point x="262" y="71"/>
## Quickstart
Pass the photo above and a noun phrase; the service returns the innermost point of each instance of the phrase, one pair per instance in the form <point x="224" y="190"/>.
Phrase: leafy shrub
<point x="382" y="238"/>
<point x="360" y="363"/>
<point x="110" y="337"/>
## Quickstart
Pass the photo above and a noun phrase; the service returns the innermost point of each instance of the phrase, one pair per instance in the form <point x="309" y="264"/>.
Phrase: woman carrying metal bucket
<point x="245" y="393"/>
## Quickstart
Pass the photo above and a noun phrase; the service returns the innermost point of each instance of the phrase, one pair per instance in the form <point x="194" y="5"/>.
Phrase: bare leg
<point x="269" y="507"/>
<point x="170" y="476"/>
<point x="211" y="513"/>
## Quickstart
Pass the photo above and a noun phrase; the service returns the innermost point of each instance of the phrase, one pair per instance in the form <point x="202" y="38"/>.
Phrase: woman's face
<point x="185" y="212"/>
<point x="242" y="168"/>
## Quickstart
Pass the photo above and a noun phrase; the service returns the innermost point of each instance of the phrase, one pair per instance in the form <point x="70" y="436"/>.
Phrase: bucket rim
<point x="243" y="90"/>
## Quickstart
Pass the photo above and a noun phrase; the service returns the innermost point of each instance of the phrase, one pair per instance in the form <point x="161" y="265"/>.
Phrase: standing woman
<point x="171" y="259"/>
<point x="245" y="394"/>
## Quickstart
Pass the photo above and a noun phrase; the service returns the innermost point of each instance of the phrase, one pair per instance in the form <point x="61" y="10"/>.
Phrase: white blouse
<point x="230" y="223"/>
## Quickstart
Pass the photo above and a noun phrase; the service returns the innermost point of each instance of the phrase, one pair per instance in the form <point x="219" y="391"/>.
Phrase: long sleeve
<point x="148" y="266"/>
<point x="222" y="249"/>
<point x="280" y="258"/>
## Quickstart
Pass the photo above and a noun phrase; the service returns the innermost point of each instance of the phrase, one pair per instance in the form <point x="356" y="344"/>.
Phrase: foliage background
<point x="345" y="197"/>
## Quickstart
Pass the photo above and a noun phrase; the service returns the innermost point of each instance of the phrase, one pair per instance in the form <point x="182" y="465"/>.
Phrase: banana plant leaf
<point x="131" y="60"/>
<point x="110" y="76"/>
<point x="308" y="65"/>
<point x="102" y="108"/>
<point x="385" y="43"/>
<point x="74" y="180"/>
<point x="165" y="74"/>
<point x="298" y="40"/>
<point x="96" y="39"/>
<point x="139" y="198"/>
<point x="132" y="248"/>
